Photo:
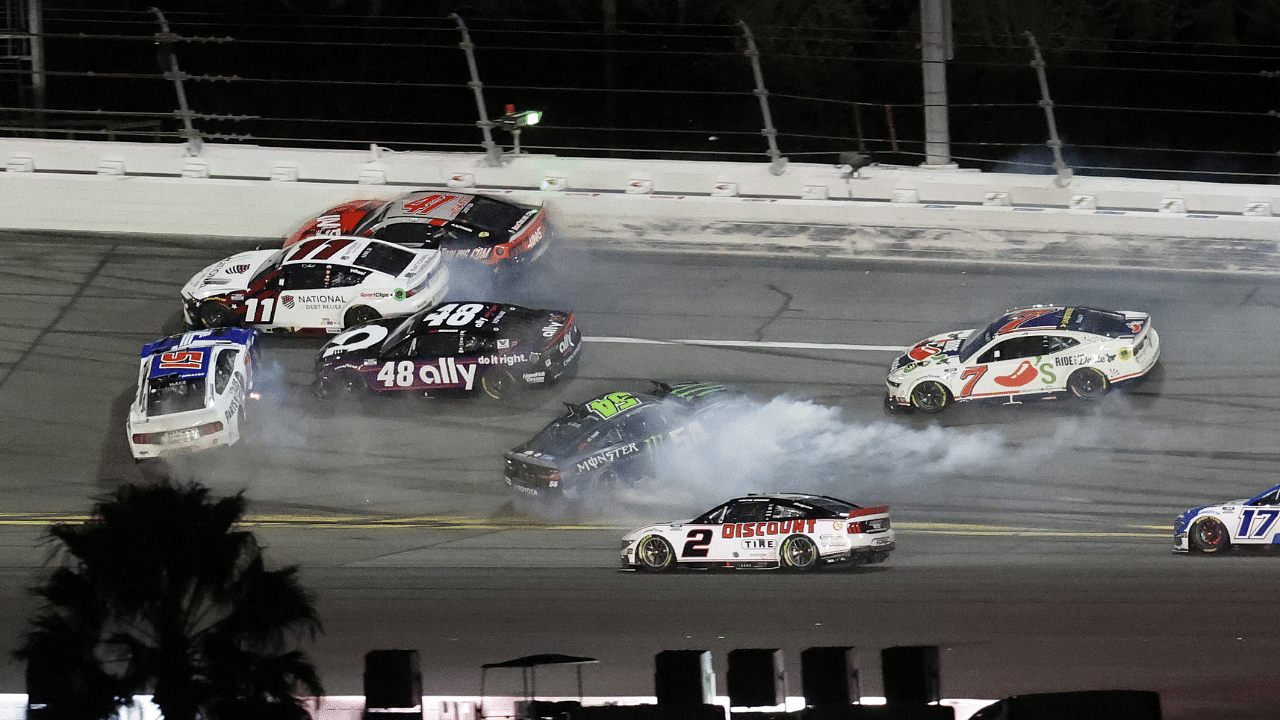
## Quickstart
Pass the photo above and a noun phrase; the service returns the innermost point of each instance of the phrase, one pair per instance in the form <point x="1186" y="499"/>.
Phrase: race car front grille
<point x="532" y="476"/>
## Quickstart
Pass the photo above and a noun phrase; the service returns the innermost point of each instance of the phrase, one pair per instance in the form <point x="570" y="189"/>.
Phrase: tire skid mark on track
<point x="79" y="293"/>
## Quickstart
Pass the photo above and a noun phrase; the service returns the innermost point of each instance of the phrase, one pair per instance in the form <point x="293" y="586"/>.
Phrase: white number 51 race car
<point x="792" y="531"/>
<point x="1042" y="351"/>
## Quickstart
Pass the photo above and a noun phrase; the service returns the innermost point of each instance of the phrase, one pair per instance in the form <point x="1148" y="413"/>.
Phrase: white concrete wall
<point x="257" y="192"/>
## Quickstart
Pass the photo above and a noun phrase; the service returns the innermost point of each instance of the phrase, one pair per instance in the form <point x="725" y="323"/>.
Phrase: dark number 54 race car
<point x="611" y="440"/>
<point x="791" y="531"/>
<point x="455" y="347"/>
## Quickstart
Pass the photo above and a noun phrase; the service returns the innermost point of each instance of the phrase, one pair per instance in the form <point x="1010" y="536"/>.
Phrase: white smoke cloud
<point x="790" y="444"/>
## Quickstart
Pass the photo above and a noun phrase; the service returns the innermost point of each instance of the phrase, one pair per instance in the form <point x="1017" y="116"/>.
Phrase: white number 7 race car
<point x="1042" y="352"/>
<point x="1215" y="528"/>
<point x="792" y="531"/>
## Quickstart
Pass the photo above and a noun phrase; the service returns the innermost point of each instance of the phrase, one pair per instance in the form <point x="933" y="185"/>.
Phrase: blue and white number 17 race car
<point x="1215" y="528"/>
<point x="791" y="531"/>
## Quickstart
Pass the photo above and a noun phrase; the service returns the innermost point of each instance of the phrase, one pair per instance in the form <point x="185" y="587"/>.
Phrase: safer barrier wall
<point x="242" y="191"/>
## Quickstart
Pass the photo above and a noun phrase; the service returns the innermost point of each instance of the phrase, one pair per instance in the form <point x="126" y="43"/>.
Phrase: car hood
<point x="228" y="275"/>
<point x="947" y="344"/>
<point x="362" y="343"/>
<point x="639" y="532"/>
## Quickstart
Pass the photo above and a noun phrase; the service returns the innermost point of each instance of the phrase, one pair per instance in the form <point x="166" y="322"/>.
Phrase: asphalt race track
<point x="1034" y="540"/>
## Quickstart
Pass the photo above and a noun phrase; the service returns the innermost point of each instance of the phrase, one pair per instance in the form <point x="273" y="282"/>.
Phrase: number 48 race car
<point x="792" y="531"/>
<point x="456" y="347"/>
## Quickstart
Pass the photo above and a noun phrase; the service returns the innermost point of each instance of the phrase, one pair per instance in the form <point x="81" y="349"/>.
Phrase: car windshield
<point x="979" y="338"/>
<point x="372" y="219"/>
<point x="562" y="433"/>
<point x="270" y="265"/>
<point x="489" y="214"/>
<point x="169" y="394"/>
<point x="402" y="330"/>
<point x="384" y="258"/>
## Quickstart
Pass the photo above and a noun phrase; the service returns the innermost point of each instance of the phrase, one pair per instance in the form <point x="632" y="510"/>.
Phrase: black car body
<point x="611" y="439"/>
<point x="455" y="347"/>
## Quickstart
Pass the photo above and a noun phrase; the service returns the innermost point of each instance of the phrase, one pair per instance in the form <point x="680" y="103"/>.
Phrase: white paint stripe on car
<point x="747" y="344"/>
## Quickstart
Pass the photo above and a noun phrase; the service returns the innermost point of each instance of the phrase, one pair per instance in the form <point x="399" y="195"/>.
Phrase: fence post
<point x="169" y="63"/>
<point x="779" y="165"/>
<point x="493" y="156"/>
<point x="935" y="50"/>
<point x="1055" y="144"/>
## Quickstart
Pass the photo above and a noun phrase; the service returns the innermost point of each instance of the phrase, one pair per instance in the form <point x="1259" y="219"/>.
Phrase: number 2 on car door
<point x="698" y="544"/>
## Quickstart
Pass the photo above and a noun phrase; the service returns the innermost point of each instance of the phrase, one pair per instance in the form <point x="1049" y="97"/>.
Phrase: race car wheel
<point x="359" y="315"/>
<point x="654" y="554"/>
<point x="1209" y="535"/>
<point x="1087" y="383"/>
<point x="498" y="384"/>
<point x="930" y="396"/>
<point x="214" y="314"/>
<point x="605" y="484"/>
<point x="798" y="554"/>
<point x="346" y="384"/>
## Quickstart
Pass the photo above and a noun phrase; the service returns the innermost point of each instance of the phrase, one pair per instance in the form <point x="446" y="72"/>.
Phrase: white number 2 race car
<point x="1215" y="528"/>
<point x="792" y="531"/>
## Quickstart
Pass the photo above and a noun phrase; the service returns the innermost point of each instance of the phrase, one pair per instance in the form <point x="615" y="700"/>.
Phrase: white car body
<point x="314" y="284"/>
<point x="1252" y="521"/>
<point x="1030" y="352"/>
<point x="754" y="532"/>
<point x="192" y="390"/>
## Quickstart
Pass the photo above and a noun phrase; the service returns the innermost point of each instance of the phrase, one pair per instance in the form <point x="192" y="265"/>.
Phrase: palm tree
<point x="159" y="592"/>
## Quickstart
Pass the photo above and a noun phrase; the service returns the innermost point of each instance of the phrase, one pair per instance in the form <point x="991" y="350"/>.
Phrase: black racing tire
<point x="498" y="384"/>
<point x="213" y="314"/>
<point x="655" y="554"/>
<point x="359" y="315"/>
<point x="1088" y="383"/>
<point x="605" y="484"/>
<point x="798" y="554"/>
<point x="930" y="397"/>
<point x="1209" y="535"/>
<point x="345" y="385"/>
